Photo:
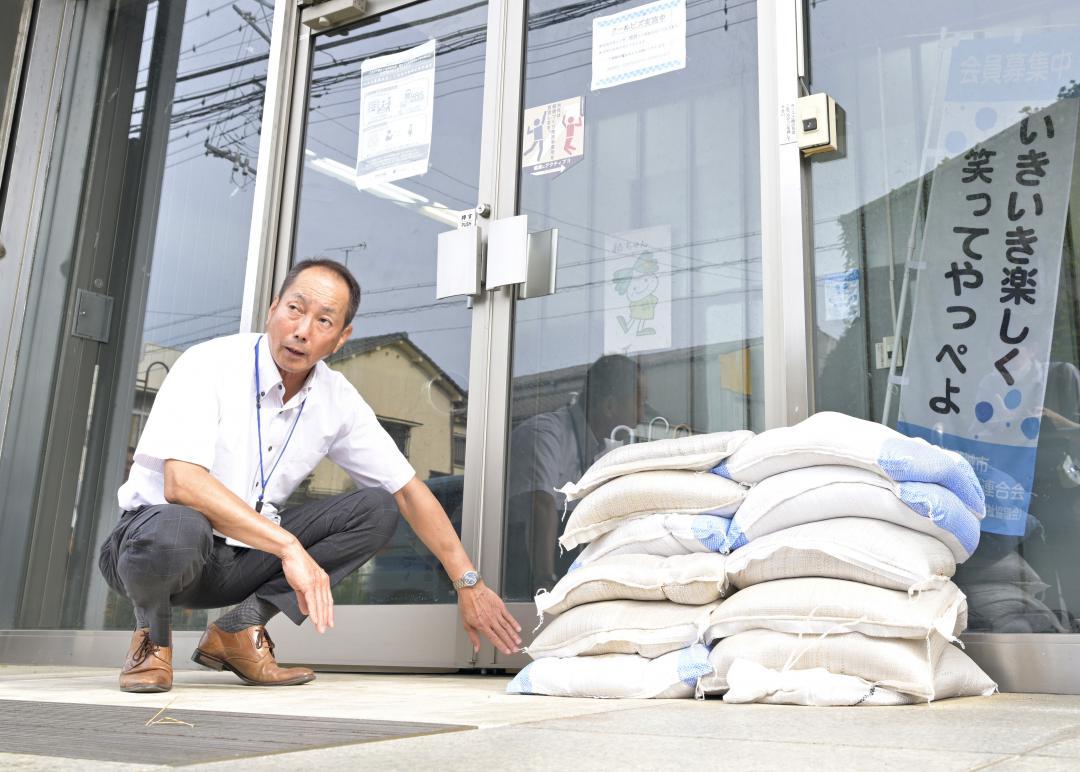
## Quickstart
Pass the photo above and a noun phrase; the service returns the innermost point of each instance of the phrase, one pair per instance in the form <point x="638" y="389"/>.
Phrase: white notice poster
<point x="639" y="43"/>
<point x="637" y="290"/>
<point x="397" y="98"/>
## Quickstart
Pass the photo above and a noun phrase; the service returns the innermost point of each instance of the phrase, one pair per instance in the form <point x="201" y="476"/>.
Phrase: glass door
<point x="388" y="154"/>
<point x="632" y="129"/>
<point x="639" y="143"/>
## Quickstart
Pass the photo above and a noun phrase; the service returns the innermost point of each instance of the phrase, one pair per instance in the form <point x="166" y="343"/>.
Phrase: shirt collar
<point x="270" y="377"/>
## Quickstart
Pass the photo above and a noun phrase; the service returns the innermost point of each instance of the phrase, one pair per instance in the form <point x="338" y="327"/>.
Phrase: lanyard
<point x="265" y="478"/>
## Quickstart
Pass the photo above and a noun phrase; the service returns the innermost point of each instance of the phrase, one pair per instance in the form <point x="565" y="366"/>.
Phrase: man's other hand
<point x="483" y="612"/>
<point x="312" y="586"/>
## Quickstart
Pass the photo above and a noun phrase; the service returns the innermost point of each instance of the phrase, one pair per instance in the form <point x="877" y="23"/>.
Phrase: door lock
<point x="483" y="210"/>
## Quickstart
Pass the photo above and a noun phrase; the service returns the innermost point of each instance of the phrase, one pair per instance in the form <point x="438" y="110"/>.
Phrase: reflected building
<point x="419" y="405"/>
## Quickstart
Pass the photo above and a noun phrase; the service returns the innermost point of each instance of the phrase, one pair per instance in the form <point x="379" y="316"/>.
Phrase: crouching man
<point x="238" y="423"/>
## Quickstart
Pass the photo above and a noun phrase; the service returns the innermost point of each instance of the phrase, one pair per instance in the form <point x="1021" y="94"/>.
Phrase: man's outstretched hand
<point x="312" y="586"/>
<point x="483" y="612"/>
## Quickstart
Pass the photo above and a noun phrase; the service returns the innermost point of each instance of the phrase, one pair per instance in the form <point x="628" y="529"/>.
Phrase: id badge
<point x="269" y="511"/>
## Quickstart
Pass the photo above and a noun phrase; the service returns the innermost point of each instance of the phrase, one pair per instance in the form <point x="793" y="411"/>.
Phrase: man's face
<point x="307" y="322"/>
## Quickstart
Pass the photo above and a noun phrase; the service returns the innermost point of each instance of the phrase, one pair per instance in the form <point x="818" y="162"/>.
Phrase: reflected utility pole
<point x="347" y="249"/>
<point x="251" y="21"/>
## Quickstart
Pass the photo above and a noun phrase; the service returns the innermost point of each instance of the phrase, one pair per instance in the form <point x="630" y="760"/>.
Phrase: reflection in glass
<point x="199" y="246"/>
<point x="409" y="353"/>
<point x="11" y="58"/>
<point x="655" y="326"/>
<point x="923" y="84"/>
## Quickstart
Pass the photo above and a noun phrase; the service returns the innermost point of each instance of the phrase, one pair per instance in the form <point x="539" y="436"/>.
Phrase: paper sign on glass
<point x="554" y="136"/>
<point x="639" y="43"/>
<point x="637" y="290"/>
<point x="397" y="98"/>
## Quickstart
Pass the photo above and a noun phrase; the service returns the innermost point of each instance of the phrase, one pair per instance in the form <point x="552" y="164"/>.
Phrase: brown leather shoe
<point x="148" y="667"/>
<point x="248" y="653"/>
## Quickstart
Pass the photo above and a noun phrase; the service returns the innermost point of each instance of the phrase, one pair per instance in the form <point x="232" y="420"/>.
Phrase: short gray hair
<point x="331" y="265"/>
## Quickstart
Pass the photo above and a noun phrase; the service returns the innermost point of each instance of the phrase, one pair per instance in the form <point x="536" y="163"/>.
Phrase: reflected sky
<point x="201" y="242"/>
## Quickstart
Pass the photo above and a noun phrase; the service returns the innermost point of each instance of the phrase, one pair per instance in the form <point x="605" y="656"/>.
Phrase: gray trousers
<point x="166" y="555"/>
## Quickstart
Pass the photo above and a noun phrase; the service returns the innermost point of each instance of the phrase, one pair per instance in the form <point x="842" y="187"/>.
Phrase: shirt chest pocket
<point x="298" y="462"/>
<point x="304" y="445"/>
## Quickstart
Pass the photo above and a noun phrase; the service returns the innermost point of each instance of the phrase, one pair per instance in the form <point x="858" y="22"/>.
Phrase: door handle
<point x="458" y="256"/>
<point x="517" y="257"/>
<point x="542" y="259"/>
<point x="457" y="262"/>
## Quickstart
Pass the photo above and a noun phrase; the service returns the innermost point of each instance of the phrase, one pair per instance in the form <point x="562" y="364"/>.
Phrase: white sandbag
<point x="750" y="682"/>
<point x="1001" y="607"/>
<point x="956" y="675"/>
<point x="663" y="535"/>
<point x="647" y="493"/>
<point x="615" y="675"/>
<point x="696" y="453"/>
<point x="858" y="549"/>
<point x="903" y="665"/>
<point x="648" y="628"/>
<point x="817" y="606"/>
<point x="686" y="579"/>
<point x="836" y="439"/>
<point x="819" y="493"/>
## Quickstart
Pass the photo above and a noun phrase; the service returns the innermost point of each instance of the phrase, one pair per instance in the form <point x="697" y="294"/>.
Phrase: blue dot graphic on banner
<point x="1012" y="399"/>
<point x="986" y="118"/>
<point x="956" y="142"/>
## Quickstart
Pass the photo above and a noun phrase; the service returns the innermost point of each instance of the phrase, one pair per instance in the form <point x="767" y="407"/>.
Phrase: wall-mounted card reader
<point x="820" y="125"/>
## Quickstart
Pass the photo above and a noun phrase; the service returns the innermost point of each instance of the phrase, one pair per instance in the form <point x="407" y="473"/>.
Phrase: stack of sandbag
<point x="840" y="557"/>
<point x="628" y="618"/>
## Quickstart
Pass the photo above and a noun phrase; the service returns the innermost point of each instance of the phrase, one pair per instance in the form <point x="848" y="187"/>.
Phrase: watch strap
<point x="460" y="584"/>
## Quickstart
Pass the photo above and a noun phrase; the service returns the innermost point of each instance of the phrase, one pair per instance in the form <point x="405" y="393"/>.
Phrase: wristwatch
<point x="468" y="579"/>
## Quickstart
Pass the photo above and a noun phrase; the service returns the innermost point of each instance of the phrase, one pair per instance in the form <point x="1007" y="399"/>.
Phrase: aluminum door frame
<point x="423" y="635"/>
<point x="14" y="89"/>
<point x="23" y="225"/>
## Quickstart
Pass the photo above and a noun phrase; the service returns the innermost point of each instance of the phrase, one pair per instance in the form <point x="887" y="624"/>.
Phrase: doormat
<point x="177" y="737"/>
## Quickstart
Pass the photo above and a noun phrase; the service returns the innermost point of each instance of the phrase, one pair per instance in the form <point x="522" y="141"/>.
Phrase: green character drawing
<point x="639" y="284"/>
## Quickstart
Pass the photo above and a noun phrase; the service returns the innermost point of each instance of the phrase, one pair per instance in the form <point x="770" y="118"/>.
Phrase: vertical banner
<point x="397" y="102"/>
<point x="637" y="290"/>
<point x="986" y="290"/>
<point x="991" y="82"/>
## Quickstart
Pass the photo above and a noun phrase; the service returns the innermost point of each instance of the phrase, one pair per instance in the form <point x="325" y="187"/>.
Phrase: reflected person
<point x="553" y="448"/>
<point x="238" y="423"/>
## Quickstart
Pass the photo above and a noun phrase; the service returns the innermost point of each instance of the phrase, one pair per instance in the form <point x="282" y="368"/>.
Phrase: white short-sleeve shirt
<point x="549" y="450"/>
<point x="205" y="414"/>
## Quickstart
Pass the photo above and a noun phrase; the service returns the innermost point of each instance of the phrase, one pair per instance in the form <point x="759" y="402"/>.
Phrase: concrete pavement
<point x="1004" y="732"/>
